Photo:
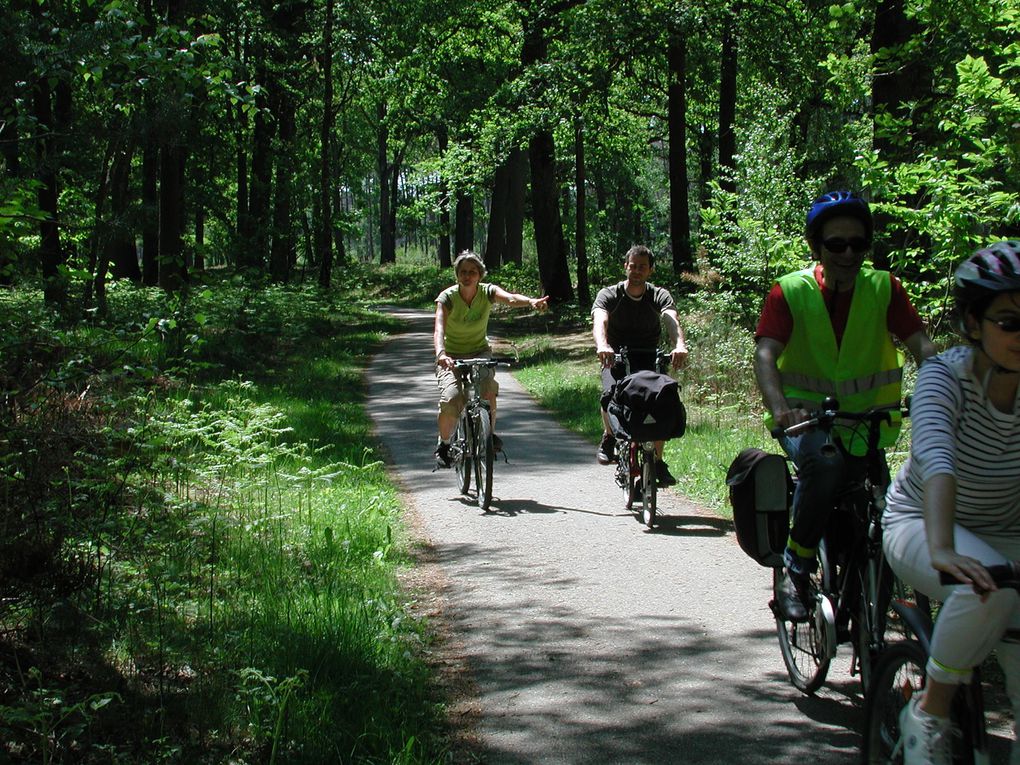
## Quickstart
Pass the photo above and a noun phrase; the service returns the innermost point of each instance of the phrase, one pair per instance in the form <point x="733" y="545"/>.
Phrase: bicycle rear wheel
<point x="648" y="486"/>
<point x="898" y="675"/>
<point x="806" y="645"/>
<point x="871" y="616"/>
<point x="462" y="443"/>
<point x="484" y="457"/>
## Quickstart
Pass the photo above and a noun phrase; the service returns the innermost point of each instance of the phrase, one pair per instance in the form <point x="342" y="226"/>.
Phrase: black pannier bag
<point x="646" y="406"/>
<point x="761" y="491"/>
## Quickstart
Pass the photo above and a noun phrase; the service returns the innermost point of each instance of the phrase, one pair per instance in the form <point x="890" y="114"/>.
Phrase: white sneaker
<point x="927" y="739"/>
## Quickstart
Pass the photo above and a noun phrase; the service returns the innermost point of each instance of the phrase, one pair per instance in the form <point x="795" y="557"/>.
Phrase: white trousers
<point x="966" y="630"/>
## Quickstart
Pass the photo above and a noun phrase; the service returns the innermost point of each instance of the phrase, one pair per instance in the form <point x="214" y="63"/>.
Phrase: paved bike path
<point x="588" y="637"/>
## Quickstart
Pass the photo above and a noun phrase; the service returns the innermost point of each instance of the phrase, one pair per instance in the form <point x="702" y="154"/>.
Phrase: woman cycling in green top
<point x="462" y="321"/>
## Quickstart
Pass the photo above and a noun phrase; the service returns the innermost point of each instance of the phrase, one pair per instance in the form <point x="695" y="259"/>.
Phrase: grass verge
<point x="213" y="546"/>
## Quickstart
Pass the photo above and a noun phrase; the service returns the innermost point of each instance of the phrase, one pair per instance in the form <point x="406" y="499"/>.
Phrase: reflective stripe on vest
<point x="843" y="388"/>
<point x="863" y="372"/>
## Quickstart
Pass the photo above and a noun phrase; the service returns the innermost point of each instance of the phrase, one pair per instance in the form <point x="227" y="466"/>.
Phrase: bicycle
<point x="852" y="586"/>
<point x="637" y="474"/>
<point x="472" y="449"/>
<point x="900" y="673"/>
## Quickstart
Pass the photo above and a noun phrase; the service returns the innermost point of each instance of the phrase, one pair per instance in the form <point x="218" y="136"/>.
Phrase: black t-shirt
<point x="634" y="322"/>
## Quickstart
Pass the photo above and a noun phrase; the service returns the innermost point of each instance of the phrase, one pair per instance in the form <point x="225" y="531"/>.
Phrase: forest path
<point x="589" y="638"/>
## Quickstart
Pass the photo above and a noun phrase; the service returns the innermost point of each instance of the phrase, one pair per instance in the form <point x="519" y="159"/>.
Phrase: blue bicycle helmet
<point x="989" y="271"/>
<point x="832" y="204"/>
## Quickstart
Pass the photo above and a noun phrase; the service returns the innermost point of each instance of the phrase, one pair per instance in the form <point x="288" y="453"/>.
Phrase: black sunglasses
<point x="1010" y="324"/>
<point x="858" y="244"/>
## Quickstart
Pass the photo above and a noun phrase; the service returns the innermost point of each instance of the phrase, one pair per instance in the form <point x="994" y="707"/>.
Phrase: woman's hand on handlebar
<point x="445" y="361"/>
<point x="607" y="356"/>
<point x="965" y="569"/>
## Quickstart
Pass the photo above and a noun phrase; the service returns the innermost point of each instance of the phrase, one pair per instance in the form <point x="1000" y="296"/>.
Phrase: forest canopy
<point x="146" y="140"/>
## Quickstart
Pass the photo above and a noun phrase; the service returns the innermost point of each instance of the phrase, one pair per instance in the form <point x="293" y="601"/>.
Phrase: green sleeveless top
<point x="466" y="325"/>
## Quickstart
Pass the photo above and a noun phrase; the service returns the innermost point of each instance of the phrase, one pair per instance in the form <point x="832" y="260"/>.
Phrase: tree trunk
<point x="445" y="260"/>
<point x="495" y="238"/>
<point x="255" y="245"/>
<point x="324" y="245"/>
<point x="464" y="223"/>
<point x="10" y="146"/>
<point x="98" y="257"/>
<point x="150" y="213"/>
<point x="549" y="241"/>
<point x="284" y="247"/>
<point x="679" y="204"/>
<point x="123" y="254"/>
<point x="172" y="268"/>
<point x="513" y="252"/>
<point x="51" y="257"/>
<point x="728" y="105"/>
<point x="339" y="246"/>
<point x="706" y="147"/>
<point x="390" y="224"/>
<point x="10" y="150"/>
<point x="581" y="220"/>
<point x="113" y="236"/>
<point x="200" y="239"/>
<point x="241" y="197"/>
<point x="387" y="243"/>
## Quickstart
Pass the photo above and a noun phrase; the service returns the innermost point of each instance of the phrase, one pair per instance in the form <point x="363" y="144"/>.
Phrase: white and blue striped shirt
<point x="958" y="432"/>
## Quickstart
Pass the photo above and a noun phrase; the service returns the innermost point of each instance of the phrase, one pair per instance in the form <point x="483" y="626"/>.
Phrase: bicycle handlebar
<point x="826" y="417"/>
<point x="1004" y="575"/>
<point x="662" y="359"/>
<point x="482" y="362"/>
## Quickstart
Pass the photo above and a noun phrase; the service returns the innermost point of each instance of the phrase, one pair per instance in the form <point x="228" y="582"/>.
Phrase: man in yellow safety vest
<point x="827" y="331"/>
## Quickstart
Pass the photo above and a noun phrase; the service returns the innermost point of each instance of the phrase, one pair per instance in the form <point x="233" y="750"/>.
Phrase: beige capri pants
<point x="451" y="392"/>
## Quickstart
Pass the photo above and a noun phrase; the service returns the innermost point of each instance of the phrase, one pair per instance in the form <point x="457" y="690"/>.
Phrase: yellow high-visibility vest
<point x="864" y="372"/>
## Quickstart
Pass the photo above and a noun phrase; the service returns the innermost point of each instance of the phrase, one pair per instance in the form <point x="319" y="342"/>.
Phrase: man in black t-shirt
<point x="632" y="314"/>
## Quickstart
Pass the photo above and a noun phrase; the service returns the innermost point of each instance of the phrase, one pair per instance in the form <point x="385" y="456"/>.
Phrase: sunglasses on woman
<point x="858" y="244"/>
<point x="1010" y="324"/>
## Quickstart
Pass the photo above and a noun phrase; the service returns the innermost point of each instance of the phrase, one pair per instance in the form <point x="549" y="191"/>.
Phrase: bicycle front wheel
<point x="463" y="450"/>
<point x="648" y="487"/>
<point x="626" y="469"/>
<point x="485" y="454"/>
<point x="898" y="675"/>
<point x="805" y="645"/>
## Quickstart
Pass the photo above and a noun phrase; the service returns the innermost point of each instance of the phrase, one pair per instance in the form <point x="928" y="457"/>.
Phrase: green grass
<point x="235" y="539"/>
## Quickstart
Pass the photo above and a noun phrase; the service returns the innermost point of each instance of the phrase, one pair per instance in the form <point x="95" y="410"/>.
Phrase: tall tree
<point x="550" y="244"/>
<point x="679" y="204"/>
<point x="728" y="102"/>
<point x="324" y="230"/>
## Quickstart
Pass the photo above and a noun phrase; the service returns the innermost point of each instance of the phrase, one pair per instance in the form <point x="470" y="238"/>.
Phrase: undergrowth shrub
<point x="200" y="548"/>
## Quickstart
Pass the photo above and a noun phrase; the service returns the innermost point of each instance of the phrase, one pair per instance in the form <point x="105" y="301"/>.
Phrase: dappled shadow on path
<point x="638" y="684"/>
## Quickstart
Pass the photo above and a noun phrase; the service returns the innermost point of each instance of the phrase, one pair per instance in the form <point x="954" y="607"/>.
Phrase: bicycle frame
<point x="636" y="474"/>
<point x="854" y="585"/>
<point x="863" y="576"/>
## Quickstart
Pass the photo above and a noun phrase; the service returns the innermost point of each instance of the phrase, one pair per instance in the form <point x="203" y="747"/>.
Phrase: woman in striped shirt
<point x="955" y="505"/>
